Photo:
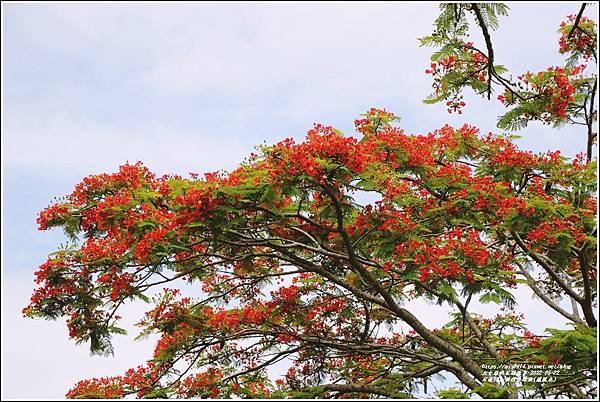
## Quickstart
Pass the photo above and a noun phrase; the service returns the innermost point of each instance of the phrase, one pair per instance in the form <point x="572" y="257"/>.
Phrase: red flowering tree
<point x="294" y="268"/>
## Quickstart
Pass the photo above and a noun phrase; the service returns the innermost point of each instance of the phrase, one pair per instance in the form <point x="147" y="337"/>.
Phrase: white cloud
<point x="294" y="45"/>
<point x="65" y="142"/>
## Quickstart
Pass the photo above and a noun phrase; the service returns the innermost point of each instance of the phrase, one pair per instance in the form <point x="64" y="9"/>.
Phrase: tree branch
<point x="488" y="44"/>
<point x="576" y="23"/>
<point x="362" y="389"/>
<point x="533" y="285"/>
<point x="586" y="306"/>
<point x="544" y="264"/>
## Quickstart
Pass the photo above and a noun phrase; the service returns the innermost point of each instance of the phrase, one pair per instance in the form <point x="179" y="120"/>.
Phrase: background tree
<point x="294" y="267"/>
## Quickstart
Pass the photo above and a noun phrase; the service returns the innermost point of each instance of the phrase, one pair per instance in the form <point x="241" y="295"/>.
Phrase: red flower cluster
<point x="97" y="388"/>
<point x="468" y="63"/>
<point x="563" y="94"/>
<point x="454" y="255"/>
<point x="373" y="120"/>
<point x="548" y="232"/>
<point x="323" y="143"/>
<point x="52" y="215"/>
<point x="204" y="384"/>
<point x="532" y="340"/>
<point x="555" y="88"/>
<point x="134" y="381"/>
<point x="583" y="39"/>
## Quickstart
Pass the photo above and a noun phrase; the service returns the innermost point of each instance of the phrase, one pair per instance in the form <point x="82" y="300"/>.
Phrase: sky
<point x="193" y="87"/>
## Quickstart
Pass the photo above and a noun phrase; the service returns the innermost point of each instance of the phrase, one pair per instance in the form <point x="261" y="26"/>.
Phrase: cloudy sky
<point x="191" y="88"/>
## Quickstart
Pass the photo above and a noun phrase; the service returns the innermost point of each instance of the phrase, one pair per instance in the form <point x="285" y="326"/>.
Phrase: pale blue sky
<point x="193" y="87"/>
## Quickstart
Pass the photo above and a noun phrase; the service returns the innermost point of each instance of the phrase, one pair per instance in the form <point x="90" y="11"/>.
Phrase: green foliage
<point x="577" y="346"/>
<point x="493" y="391"/>
<point x="453" y="393"/>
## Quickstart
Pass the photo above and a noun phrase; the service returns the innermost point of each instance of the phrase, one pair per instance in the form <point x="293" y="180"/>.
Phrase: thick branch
<point x="586" y="306"/>
<point x="576" y="23"/>
<point x="470" y="322"/>
<point x="533" y="285"/>
<point x="591" y="136"/>
<point x="362" y="389"/>
<point x="455" y="352"/>
<point x="544" y="264"/>
<point x="488" y="44"/>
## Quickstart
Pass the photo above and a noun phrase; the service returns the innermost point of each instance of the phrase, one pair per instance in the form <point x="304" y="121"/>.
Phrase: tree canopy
<point x="308" y="254"/>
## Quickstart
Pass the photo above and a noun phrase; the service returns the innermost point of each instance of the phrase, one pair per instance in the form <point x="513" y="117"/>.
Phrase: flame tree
<point x="294" y="268"/>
